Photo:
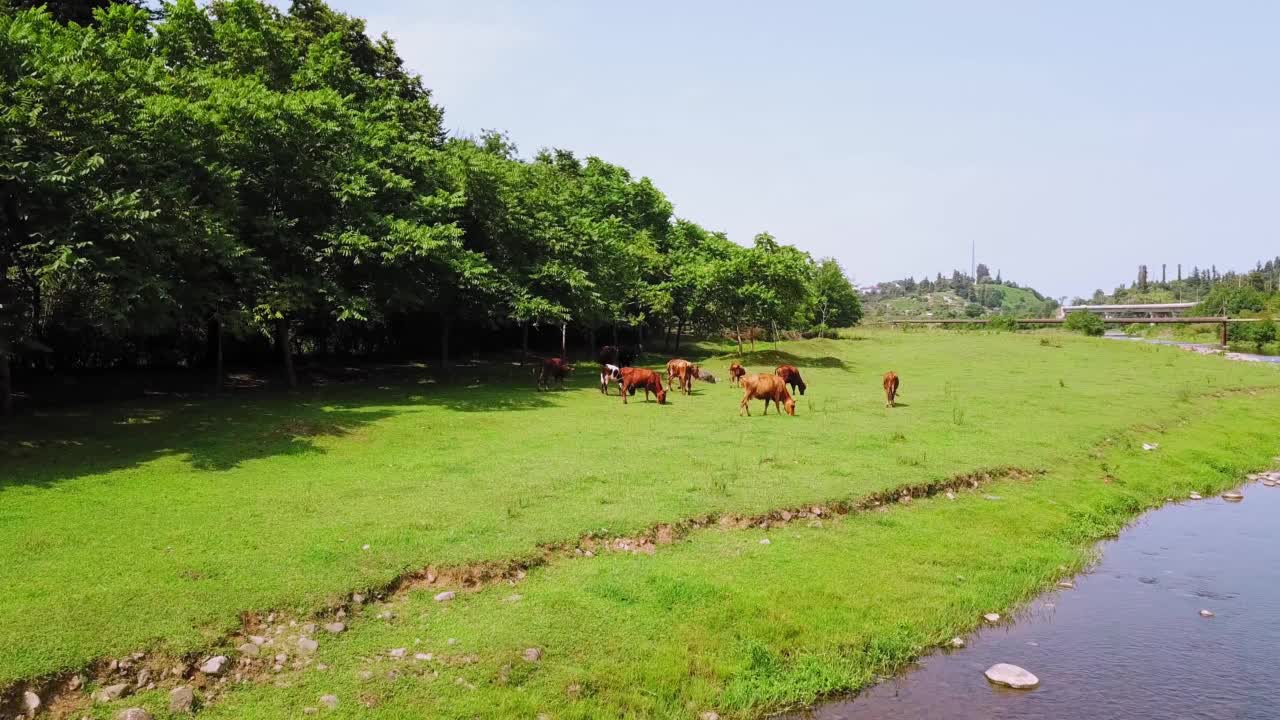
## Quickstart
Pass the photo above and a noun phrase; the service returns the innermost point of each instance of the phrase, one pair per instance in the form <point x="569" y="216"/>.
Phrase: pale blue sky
<point x="1071" y="140"/>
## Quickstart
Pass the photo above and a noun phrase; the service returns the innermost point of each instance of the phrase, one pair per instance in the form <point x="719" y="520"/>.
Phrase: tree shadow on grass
<point x="220" y="433"/>
<point x="774" y="358"/>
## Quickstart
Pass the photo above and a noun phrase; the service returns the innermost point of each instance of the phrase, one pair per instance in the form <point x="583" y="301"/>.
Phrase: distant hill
<point x="958" y="296"/>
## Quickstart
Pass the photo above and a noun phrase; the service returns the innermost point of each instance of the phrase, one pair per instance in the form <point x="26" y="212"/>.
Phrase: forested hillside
<point x="234" y="181"/>
<point x="957" y="296"/>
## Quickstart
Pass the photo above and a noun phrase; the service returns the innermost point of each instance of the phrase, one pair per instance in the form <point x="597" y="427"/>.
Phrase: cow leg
<point x="623" y="387"/>
<point x="745" y="405"/>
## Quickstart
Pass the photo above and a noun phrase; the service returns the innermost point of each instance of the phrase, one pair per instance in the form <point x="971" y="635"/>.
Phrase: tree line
<point x="1256" y="288"/>
<point x="982" y="292"/>
<point x="185" y="178"/>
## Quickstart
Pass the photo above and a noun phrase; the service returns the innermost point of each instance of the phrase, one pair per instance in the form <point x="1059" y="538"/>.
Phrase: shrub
<point x="1086" y="323"/>
<point x="1003" y="322"/>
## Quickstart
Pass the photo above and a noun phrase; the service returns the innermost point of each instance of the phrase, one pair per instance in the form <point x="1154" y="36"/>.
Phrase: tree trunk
<point x="6" y="385"/>
<point x="445" y="325"/>
<point x="286" y="352"/>
<point x="564" y="340"/>
<point x="679" y="333"/>
<point x="524" y="343"/>
<point x="215" y="327"/>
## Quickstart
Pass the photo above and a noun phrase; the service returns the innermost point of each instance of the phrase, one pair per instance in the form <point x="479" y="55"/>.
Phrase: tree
<point x="1085" y="322"/>
<point x="983" y="273"/>
<point x="834" y="302"/>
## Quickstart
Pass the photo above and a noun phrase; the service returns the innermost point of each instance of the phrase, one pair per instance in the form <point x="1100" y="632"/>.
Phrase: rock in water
<point x="1206" y="613"/>
<point x="134" y="714"/>
<point x="956" y="642"/>
<point x="181" y="700"/>
<point x="1194" y="496"/>
<point x="1232" y="497"/>
<point x="1066" y="584"/>
<point x="1011" y="676"/>
<point x="992" y="617"/>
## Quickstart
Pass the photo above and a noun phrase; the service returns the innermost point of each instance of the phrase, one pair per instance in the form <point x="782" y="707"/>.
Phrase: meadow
<point x="175" y="527"/>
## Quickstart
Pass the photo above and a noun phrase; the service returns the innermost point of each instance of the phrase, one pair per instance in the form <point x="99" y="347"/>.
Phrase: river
<point x="1128" y="641"/>
<point x="1202" y="348"/>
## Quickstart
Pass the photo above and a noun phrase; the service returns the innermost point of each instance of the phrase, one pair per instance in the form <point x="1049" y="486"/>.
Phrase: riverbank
<point x="702" y="619"/>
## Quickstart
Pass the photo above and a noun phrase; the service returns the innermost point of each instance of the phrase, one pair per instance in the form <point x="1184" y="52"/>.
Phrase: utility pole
<point x="1162" y="278"/>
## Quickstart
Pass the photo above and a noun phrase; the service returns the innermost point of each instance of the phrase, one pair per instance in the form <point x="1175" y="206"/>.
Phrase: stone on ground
<point x="30" y="702"/>
<point x="249" y="649"/>
<point x="398" y="652"/>
<point x="335" y="627"/>
<point x="532" y="654"/>
<point x="213" y="665"/>
<point x="307" y="646"/>
<point x="112" y="692"/>
<point x="1011" y="676"/>
<point x="134" y="714"/>
<point x="329" y="701"/>
<point x="709" y="715"/>
<point x="445" y="596"/>
<point x="992" y="617"/>
<point x="764" y="541"/>
<point x="956" y="642"/>
<point x="181" y="700"/>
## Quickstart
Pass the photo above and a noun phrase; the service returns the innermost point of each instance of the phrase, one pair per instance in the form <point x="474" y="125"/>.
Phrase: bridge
<point x="1221" y="321"/>
<point x="1137" y="312"/>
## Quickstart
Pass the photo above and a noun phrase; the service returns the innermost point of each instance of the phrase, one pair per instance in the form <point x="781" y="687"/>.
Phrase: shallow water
<point x="1128" y="641"/>
<point x="1205" y="348"/>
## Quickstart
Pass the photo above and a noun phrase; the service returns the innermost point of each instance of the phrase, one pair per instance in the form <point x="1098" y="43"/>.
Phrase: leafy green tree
<point x="1085" y="322"/>
<point x="834" y="301"/>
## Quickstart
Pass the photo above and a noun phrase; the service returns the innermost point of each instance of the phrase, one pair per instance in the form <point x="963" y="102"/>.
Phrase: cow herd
<point x="616" y="368"/>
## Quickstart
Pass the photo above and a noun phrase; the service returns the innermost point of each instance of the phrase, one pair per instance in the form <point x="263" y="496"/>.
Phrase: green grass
<point x="156" y="527"/>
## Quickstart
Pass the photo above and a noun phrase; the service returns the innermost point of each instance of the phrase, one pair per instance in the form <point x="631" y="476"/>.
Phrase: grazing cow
<point x="681" y="370"/>
<point x="620" y="355"/>
<point x="890" y="388"/>
<point x="610" y="373"/>
<point x="636" y="378"/>
<point x="766" y="387"/>
<point x="703" y="375"/>
<point x="553" y="369"/>
<point x="736" y="371"/>
<point x="791" y="376"/>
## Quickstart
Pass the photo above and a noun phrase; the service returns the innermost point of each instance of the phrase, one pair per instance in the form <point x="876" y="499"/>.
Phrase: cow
<point x="766" y="387"/>
<point x="609" y="373"/>
<point x="890" y="388"/>
<point x="681" y="370"/>
<point x="635" y="378"/>
<point x="553" y="369"/>
<point x="620" y="355"/>
<point x="791" y="376"/>
<point x="736" y="371"/>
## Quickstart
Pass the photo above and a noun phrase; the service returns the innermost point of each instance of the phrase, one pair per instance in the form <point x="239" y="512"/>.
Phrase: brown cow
<point x="766" y="387"/>
<point x="634" y="378"/>
<point x="790" y="374"/>
<point x="553" y="369"/>
<point x="681" y="370"/>
<point x="890" y="387"/>
<point x="736" y="371"/>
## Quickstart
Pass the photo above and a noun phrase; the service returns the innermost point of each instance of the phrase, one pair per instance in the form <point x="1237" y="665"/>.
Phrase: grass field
<point x="154" y="528"/>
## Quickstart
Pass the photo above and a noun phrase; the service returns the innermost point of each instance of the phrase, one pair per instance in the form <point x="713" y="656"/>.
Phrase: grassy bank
<point x="155" y="527"/>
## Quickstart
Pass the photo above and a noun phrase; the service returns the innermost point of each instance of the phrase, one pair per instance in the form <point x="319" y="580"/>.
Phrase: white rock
<point x="445" y="596"/>
<point x="422" y="656"/>
<point x="951" y="495"/>
<point x="357" y="598"/>
<point x="1194" y="496"/>
<point x="335" y="627"/>
<point x="306" y="645"/>
<point x="765" y="541"/>
<point x="1150" y="446"/>
<point x="30" y="702"/>
<point x="213" y="665"/>
<point x="329" y="701"/>
<point x="1011" y="676"/>
<point x="249" y="650"/>
<point x="181" y="700"/>
<point x="1268" y="483"/>
<point x="1066" y="584"/>
<point x="1232" y="497"/>
<point x="257" y="639"/>
<point x="309" y="629"/>
<point x="398" y="652"/>
<point x="532" y="654"/>
<point x="1206" y="613"/>
<point x="709" y="715"/>
<point x="992" y="617"/>
<point x="364" y="547"/>
<point x="134" y="714"/>
<point x="956" y="642"/>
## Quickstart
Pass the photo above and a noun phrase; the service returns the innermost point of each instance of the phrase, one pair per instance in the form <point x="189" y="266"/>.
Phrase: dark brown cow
<point x="790" y="374"/>
<point x="553" y="369"/>
<point x="736" y="371"/>
<point x="636" y="378"/>
<point x="890" y="388"/>
<point x="766" y="387"/>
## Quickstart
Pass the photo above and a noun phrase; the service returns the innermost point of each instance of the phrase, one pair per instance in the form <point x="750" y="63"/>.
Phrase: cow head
<point x="789" y="405"/>
<point x="662" y="395"/>
<point x="801" y="386"/>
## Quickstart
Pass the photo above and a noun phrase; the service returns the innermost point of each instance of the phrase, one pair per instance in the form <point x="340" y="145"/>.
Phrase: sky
<point x="1068" y="141"/>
